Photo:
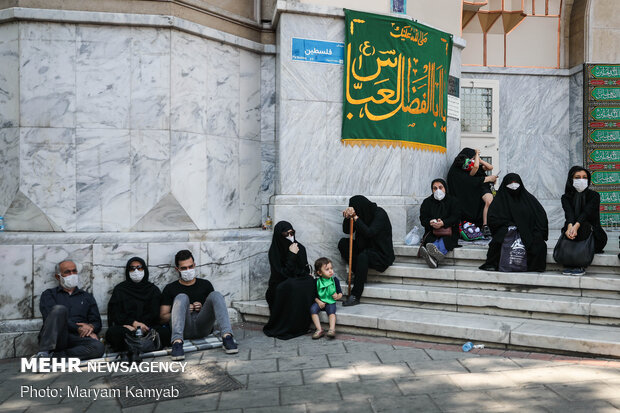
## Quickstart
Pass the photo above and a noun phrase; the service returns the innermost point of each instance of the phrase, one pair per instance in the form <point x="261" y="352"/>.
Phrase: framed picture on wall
<point x="399" y="6"/>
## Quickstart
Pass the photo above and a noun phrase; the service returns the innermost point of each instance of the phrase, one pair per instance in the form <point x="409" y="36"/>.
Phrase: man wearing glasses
<point x="71" y="318"/>
<point x="192" y="306"/>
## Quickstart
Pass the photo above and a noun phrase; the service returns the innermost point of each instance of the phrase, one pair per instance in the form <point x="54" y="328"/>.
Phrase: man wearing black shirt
<point x="192" y="306"/>
<point x="71" y="318"/>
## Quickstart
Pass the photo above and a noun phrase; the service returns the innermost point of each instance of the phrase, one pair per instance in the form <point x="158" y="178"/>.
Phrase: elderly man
<point x="71" y="318"/>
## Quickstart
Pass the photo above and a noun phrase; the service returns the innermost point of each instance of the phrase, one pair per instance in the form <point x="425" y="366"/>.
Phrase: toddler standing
<point x="328" y="291"/>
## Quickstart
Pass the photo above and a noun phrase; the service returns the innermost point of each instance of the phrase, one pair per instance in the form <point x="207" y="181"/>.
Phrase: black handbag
<point x="572" y="253"/>
<point x="143" y="344"/>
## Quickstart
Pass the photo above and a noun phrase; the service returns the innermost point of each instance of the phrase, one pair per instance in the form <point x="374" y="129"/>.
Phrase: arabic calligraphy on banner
<point x="395" y="82"/>
<point x="602" y="136"/>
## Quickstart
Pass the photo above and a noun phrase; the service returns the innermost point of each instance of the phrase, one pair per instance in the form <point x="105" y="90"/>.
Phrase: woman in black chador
<point x="582" y="212"/>
<point x="291" y="287"/>
<point x="439" y="212"/>
<point x="515" y="206"/>
<point x="134" y="304"/>
<point x="372" y="247"/>
<point x="471" y="186"/>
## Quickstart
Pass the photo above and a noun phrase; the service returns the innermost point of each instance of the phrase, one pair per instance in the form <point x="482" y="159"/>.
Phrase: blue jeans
<point x="191" y="324"/>
<point x="329" y="308"/>
<point x="441" y="246"/>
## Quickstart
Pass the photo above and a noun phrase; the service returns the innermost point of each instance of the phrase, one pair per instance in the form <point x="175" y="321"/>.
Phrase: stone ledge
<point x="45" y="238"/>
<point x="130" y="19"/>
<point x="547" y="335"/>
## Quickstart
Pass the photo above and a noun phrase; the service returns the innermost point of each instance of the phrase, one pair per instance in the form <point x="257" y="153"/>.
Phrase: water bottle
<point x="468" y="346"/>
<point x="138" y="332"/>
<point x="268" y="222"/>
<point x="1" y="223"/>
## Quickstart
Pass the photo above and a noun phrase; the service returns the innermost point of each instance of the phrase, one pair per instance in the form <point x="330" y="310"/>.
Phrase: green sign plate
<point x="605" y="155"/>
<point x="606" y="178"/>
<point x="606" y="113"/>
<point x="610" y="219"/>
<point x="606" y="93"/>
<point x="612" y="71"/>
<point x="610" y="197"/>
<point x="605" y="136"/>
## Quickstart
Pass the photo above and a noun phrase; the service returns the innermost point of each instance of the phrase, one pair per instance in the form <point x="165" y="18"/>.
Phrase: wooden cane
<point x="350" y="252"/>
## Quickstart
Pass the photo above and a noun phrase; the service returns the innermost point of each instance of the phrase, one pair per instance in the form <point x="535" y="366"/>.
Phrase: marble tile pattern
<point x="9" y="167"/>
<point x="133" y="129"/>
<point x="575" y="117"/>
<point x="48" y="172"/>
<point x="9" y="76"/>
<point x="16" y="277"/>
<point x="103" y="179"/>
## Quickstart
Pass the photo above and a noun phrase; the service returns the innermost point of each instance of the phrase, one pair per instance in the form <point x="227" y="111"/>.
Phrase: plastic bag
<point x="413" y="237"/>
<point x="513" y="257"/>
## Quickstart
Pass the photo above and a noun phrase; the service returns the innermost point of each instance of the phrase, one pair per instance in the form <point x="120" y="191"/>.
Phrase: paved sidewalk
<point x="360" y="374"/>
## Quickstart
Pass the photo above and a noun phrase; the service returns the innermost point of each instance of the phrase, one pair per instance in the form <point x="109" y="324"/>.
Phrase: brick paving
<point x="355" y="373"/>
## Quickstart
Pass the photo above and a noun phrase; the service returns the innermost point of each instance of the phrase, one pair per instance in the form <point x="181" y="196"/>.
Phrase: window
<point x="479" y="107"/>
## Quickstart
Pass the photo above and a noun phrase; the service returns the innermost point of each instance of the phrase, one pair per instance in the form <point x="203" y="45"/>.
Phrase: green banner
<point x="606" y="178"/>
<point x="605" y="155"/>
<point x="606" y="93"/>
<point x="605" y="135"/>
<point x="606" y="113"/>
<point x="609" y="197"/>
<point x="610" y="219"/>
<point x="395" y="82"/>
<point x="612" y="71"/>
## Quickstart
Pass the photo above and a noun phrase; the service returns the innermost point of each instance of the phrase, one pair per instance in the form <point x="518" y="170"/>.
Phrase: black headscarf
<point x="364" y="208"/>
<point x="520" y="208"/>
<point x="284" y="264"/>
<point x="569" y="189"/>
<point x="439" y="209"/>
<point x="131" y="301"/>
<point x="467" y="189"/>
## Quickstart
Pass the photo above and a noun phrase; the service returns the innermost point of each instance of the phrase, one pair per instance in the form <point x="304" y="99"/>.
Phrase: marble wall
<point x="539" y="130"/>
<point x="108" y="128"/>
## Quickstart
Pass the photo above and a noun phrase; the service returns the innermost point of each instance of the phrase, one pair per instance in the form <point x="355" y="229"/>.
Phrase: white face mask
<point x="514" y="186"/>
<point x="291" y="238"/>
<point x="69" y="282"/>
<point x="580" y="184"/>
<point x="136" y="275"/>
<point x="439" y="194"/>
<point x="188" y="275"/>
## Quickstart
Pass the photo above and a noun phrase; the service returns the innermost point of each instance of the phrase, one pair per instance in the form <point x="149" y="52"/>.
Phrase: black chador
<point x="134" y="301"/>
<point x="468" y="190"/>
<point x="291" y="288"/>
<point x="517" y="207"/>
<point x="372" y="247"/>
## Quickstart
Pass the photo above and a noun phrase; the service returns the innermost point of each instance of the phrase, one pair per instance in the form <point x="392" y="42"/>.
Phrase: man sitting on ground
<point x="191" y="306"/>
<point x="71" y="318"/>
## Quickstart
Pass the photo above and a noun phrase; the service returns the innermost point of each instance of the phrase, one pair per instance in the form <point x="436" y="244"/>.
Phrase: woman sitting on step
<point x="515" y="206"/>
<point x="581" y="209"/>
<point x="291" y="286"/>
<point x="439" y="215"/>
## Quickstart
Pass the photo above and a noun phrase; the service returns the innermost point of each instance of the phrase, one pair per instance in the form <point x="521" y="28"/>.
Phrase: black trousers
<point x="115" y="336"/>
<point x="55" y="336"/>
<point x="361" y="262"/>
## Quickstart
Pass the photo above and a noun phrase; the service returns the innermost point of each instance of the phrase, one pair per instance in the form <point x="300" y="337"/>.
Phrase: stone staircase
<point x="457" y="302"/>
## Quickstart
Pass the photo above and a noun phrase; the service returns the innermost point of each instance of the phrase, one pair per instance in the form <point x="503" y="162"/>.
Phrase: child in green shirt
<point x="327" y="292"/>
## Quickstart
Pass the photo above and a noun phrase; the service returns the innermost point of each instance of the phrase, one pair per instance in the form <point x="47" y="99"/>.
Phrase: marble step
<point x="585" y="309"/>
<point x="602" y="285"/>
<point x="475" y="255"/>
<point x="510" y="332"/>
